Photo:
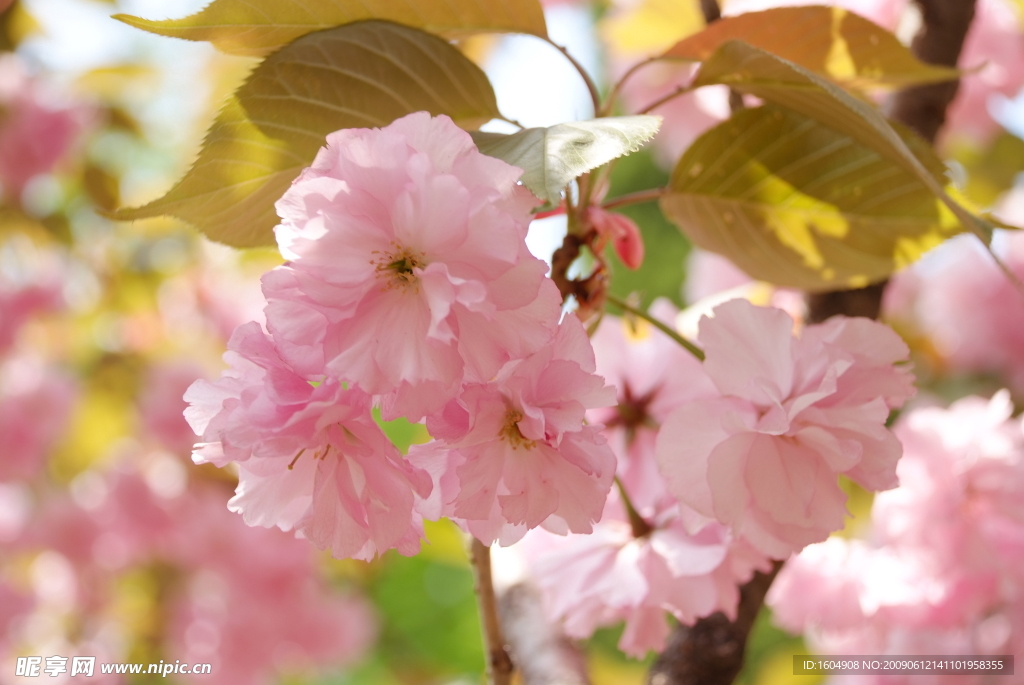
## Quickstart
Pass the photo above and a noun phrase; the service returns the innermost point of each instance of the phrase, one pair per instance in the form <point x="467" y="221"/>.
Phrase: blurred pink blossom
<point x="161" y="404"/>
<point x="960" y="299"/>
<point x="35" y="406"/>
<point x="941" y="571"/>
<point x="36" y="131"/>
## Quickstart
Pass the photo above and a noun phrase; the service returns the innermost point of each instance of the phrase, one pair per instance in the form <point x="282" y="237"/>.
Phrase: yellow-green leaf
<point x="360" y="75"/>
<point x="796" y="203"/>
<point x="829" y="41"/>
<point x="751" y="70"/>
<point x="258" y="27"/>
<point x="552" y="157"/>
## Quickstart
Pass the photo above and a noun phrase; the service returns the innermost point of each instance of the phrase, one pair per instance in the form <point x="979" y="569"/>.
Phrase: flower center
<point x="396" y="267"/>
<point x="511" y="434"/>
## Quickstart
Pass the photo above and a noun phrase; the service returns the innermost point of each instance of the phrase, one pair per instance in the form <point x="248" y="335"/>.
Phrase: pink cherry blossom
<point x="590" y="581"/>
<point x="513" y="454"/>
<point x="309" y="458"/>
<point x="940" y="572"/>
<point x="652" y="375"/>
<point x="791" y="415"/>
<point x="963" y="489"/>
<point x="408" y="271"/>
<point x="621" y="231"/>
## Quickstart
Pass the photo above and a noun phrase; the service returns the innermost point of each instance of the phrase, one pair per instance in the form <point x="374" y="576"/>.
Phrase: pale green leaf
<point x="796" y="203"/>
<point x="258" y="27"/>
<point x="748" y="69"/>
<point x="552" y="157"/>
<point x="829" y="41"/>
<point x="360" y="75"/>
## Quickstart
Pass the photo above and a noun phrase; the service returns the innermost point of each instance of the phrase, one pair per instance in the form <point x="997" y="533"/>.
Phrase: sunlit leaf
<point x="361" y="75"/>
<point x="258" y="27"/>
<point x="551" y="157"/>
<point x="830" y="41"/>
<point x="748" y="69"/>
<point x="796" y="203"/>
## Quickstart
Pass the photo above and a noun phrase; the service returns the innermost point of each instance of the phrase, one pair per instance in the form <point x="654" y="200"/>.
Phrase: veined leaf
<point x="748" y="69"/>
<point x="360" y="75"/>
<point x="829" y="41"/>
<point x="794" y="202"/>
<point x="551" y="157"/>
<point x="258" y="27"/>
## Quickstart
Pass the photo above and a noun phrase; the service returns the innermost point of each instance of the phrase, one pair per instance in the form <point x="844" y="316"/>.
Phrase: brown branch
<point x="710" y="652"/>
<point x="542" y="653"/>
<point x="944" y="27"/>
<point x="499" y="665"/>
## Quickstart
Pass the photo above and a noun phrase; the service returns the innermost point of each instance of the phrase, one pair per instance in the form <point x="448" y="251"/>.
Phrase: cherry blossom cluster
<point x="941" y="569"/>
<point x="408" y="287"/>
<point x="779" y="418"/>
<point x="649" y="555"/>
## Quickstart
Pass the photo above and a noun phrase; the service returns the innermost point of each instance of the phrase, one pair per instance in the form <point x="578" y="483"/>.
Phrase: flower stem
<point x="634" y="198"/>
<point x="613" y="95"/>
<point x="640" y="527"/>
<point x="595" y="97"/>
<point x="499" y="664"/>
<point x="667" y="330"/>
<point x="682" y="90"/>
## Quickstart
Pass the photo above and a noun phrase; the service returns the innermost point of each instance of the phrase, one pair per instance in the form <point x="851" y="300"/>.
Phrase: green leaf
<point x="360" y="75"/>
<point x="829" y="41"/>
<point x="551" y="157"/>
<point x="748" y="69"/>
<point x="796" y="203"/>
<point x="258" y="27"/>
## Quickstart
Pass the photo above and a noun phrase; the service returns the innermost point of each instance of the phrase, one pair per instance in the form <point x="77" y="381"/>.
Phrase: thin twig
<point x="609" y="102"/>
<point x="681" y="90"/>
<point x="595" y="96"/>
<point x="499" y="665"/>
<point x="667" y="330"/>
<point x="512" y="121"/>
<point x="634" y="198"/>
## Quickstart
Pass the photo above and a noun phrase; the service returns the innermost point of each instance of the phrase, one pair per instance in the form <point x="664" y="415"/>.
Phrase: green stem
<point x="634" y="198"/>
<point x="667" y="330"/>
<point x="640" y="527"/>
